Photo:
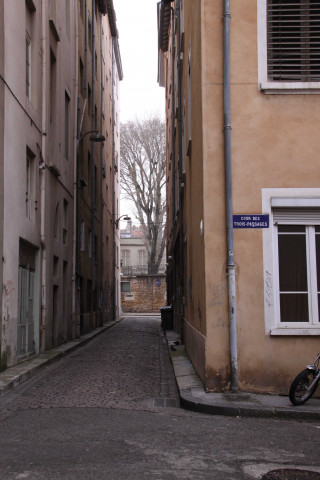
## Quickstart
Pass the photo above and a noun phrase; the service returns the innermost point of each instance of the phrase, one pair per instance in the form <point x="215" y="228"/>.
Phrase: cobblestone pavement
<point x="100" y="413"/>
<point x="126" y="367"/>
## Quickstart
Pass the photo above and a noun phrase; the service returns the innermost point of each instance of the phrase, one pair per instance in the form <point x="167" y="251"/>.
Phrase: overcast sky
<point x="140" y="94"/>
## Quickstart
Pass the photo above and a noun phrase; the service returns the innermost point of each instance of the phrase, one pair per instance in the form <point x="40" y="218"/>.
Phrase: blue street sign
<point x="250" y="221"/>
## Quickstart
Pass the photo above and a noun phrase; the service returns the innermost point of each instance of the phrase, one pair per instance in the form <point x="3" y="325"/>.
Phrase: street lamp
<point x="97" y="137"/>
<point x="124" y="217"/>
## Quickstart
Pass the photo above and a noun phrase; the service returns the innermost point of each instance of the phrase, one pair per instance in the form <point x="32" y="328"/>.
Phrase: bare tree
<point x="143" y="178"/>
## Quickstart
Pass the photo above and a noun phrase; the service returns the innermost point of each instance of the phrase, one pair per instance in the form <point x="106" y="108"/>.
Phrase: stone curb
<point x="194" y="398"/>
<point x="188" y="402"/>
<point x="14" y="376"/>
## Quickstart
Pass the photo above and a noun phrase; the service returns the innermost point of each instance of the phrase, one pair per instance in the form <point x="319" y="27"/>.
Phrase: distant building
<point x="134" y="256"/>
<point x="140" y="291"/>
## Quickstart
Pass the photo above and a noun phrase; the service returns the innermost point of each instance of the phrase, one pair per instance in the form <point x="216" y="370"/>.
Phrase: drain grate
<point x="291" y="474"/>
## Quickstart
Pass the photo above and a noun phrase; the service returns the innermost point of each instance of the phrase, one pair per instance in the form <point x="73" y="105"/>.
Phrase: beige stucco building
<point x="45" y="115"/>
<point x="243" y="141"/>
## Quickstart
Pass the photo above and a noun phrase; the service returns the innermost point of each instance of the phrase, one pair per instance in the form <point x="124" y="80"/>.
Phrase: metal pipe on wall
<point x="93" y="126"/>
<point x="43" y="178"/>
<point x="231" y="268"/>
<point x="114" y="247"/>
<point x="101" y="266"/>
<point x="75" y="280"/>
<point x="173" y="189"/>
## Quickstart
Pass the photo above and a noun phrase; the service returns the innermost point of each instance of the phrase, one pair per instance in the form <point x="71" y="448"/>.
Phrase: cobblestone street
<point x="109" y="411"/>
<point x="125" y="367"/>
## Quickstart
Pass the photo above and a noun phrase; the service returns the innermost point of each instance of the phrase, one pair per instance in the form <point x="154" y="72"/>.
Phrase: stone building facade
<point x="43" y="124"/>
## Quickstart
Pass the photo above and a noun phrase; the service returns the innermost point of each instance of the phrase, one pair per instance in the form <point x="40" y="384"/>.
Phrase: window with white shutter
<point x="289" y="45"/>
<point x="293" y="40"/>
<point x="291" y="251"/>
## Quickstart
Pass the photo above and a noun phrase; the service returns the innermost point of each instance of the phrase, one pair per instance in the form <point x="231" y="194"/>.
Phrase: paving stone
<point x="126" y="367"/>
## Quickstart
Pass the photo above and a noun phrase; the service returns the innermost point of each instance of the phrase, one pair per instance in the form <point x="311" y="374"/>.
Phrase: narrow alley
<point x="110" y="411"/>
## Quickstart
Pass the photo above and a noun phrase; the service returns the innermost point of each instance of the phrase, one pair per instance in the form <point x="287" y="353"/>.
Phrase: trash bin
<point x="166" y="318"/>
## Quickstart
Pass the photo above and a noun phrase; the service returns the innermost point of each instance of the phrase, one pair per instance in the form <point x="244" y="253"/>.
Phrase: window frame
<point x="270" y="86"/>
<point x="286" y="198"/>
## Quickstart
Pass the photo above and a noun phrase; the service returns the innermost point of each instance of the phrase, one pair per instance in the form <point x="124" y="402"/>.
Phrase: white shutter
<point x="296" y="216"/>
<point x="293" y="40"/>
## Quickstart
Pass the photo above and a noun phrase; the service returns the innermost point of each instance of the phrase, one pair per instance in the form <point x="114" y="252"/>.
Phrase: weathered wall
<point x="274" y="144"/>
<point x="147" y="294"/>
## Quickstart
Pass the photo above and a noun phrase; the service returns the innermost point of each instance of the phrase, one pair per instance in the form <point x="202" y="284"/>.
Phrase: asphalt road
<point x="110" y="411"/>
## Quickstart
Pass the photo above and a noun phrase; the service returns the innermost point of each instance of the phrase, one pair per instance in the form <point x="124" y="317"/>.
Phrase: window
<point x="28" y="66"/>
<point x="292" y="262"/>
<point x="289" y="45"/>
<point x="29" y="9"/>
<point x="52" y="100"/>
<point x="67" y="5"/>
<point x="81" y="3"/>
<point x="82" y="236"/>
<point x="66" y="125"/>
<point x="142" y="258"/>
<point x="189" y="104"/>
<point x="125" y="258"/>
<point x="125" y="287"/>
<point x="81" y="77"/>
<point x="30" y="185"/>
<point x="56" y="222"/>
<point x="90" y="246"/>
<point x="65" y="222"/>
<point x="89" y="33"/>
<point x="298" y="282"/>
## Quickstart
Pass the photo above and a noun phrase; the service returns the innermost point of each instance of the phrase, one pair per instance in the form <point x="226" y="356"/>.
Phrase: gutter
<point x="231" y="267"/>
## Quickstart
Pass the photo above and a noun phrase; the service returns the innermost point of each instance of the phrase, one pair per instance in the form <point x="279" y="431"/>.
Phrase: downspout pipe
<point x="173" y="139"/>
<point x="101" y="268"/>
<point x="93" y="180"/>
<point x="180" y="168"/>
<point x="43" y="183"/>
<point x="76" y="191"/>
<point x="231" y="267"/>
<point x="114" y="279"/>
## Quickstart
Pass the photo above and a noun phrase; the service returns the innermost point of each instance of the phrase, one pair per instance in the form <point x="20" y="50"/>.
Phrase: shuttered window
<point x="293" y="40"/>
<point x="298" y="260"/>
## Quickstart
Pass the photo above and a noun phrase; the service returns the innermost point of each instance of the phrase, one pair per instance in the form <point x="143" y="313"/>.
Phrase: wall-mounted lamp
<point x="124" y="217"/>
<point x="96" y="137"/>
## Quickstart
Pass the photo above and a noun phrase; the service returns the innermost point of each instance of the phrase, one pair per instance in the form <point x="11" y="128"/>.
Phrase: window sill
<point x="295" y="331"/>
<point x="290" y="88"/>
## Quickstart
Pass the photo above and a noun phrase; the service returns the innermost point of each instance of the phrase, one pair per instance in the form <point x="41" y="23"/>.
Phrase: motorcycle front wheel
<point x="299" y="391"/>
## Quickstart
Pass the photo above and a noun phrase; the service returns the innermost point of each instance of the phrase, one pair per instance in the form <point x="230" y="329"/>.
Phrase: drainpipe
<point x="93" y="183"/>
<point x="114" y="279"/>
<point x="231" y="268"/>
<point x="76" y="181"/>
<point x="43" y="180"/>
<point x="101" y="185"/>
<point x="181" y="244"/>
<point x="173" y="139"/>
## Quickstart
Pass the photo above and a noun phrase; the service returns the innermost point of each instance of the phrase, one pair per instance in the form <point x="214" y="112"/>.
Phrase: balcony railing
<point x="138" y="270"/>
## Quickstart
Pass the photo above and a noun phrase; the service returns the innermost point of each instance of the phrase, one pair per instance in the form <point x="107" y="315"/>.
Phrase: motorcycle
<point x="305" y="383"/>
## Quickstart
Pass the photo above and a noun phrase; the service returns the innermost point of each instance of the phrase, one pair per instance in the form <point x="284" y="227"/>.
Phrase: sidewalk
<point x="14" y="376"/>
<point x="193" y="396"/>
